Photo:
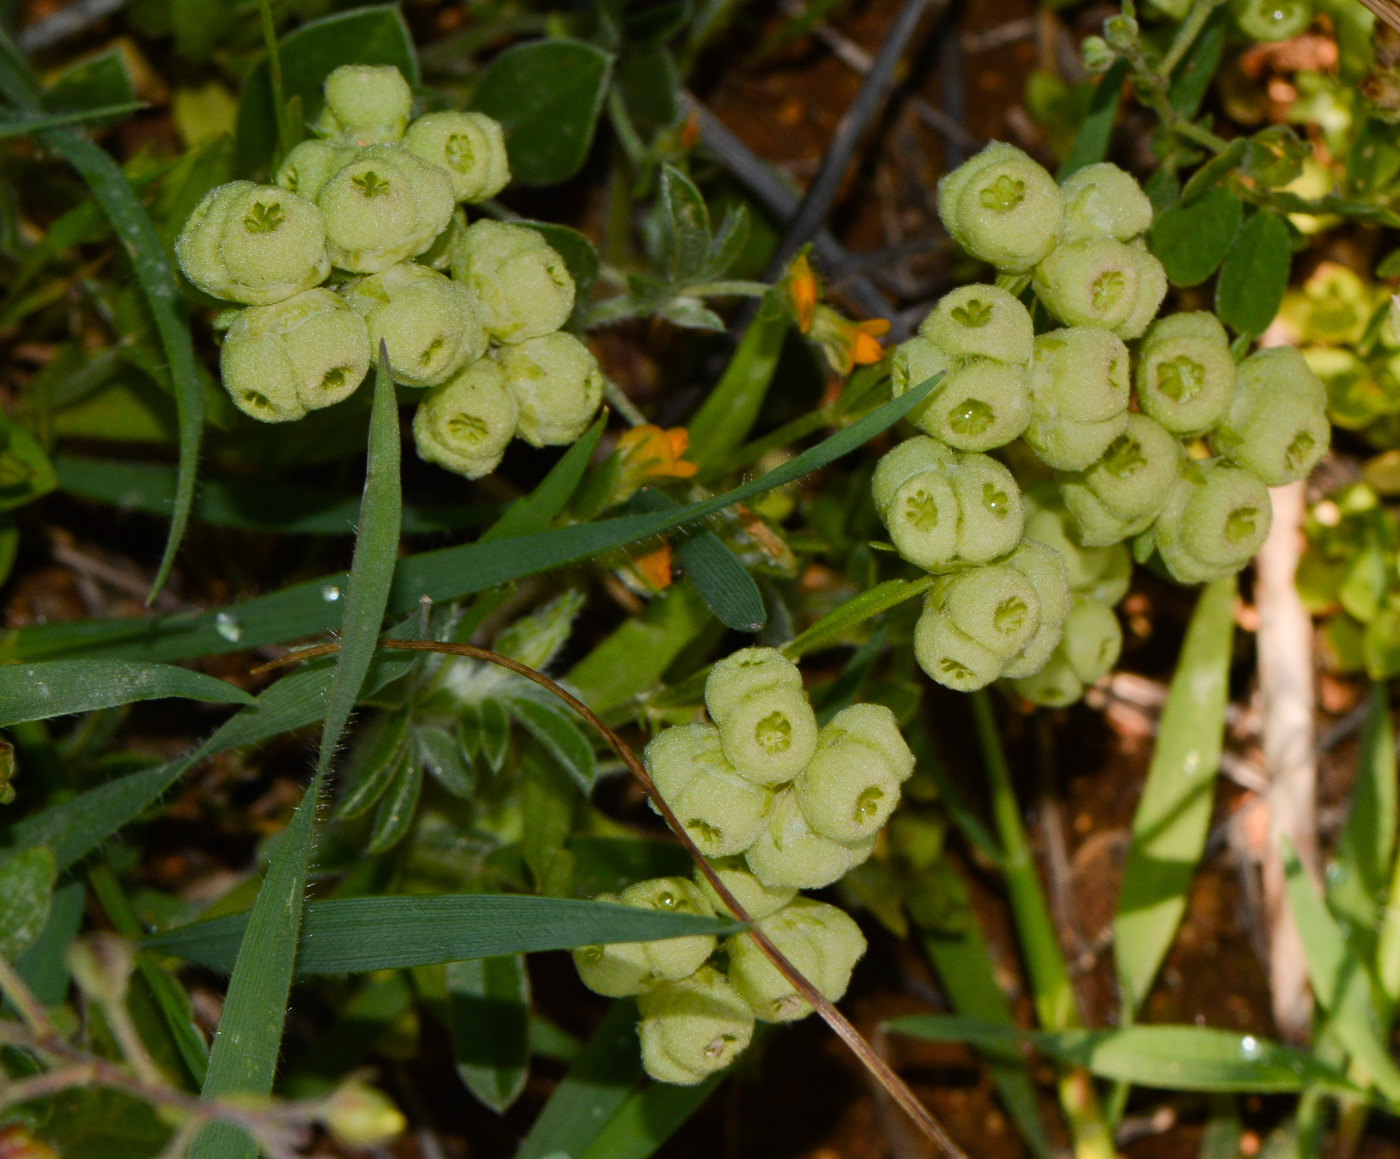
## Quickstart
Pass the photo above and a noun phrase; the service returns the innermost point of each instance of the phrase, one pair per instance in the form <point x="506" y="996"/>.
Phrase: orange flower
<point x="655" y="567"/>
<point x="648" y="452"/>
<point x="848" y="344"/>
<point x="802" y="291"/>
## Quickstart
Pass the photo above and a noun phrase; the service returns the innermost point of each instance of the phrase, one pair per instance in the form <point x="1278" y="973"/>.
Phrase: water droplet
<point x="228" y="627"/>
<point x="1336" y="873"/>
<point x="1249" y="1046"/>
<point x="42" y="690"/>
<point x="330" y="593"/>
<point x="1190" y="763"/>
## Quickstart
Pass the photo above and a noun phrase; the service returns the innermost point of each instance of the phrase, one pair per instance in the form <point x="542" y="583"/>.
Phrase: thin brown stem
<point x="838" y="1022"/>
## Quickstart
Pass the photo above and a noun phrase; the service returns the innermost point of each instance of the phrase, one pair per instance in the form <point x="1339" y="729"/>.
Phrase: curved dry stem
<point x="838" y="1022"/>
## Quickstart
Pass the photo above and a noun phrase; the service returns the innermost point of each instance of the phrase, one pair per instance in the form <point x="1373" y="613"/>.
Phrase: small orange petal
<point x="684" y="470"/>
<point x="875" y="327"/>
<point x="655" y="567"/>
<point x="802" y="291"/>
<point x="867" y="349"/>
<point x="679" y="438"/>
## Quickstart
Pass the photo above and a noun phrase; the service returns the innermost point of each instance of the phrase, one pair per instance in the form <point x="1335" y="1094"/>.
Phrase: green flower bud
<point x="360" y="1116"/>
<point x="1096" y="56"/>
<point x="365" y="104"/>
<point x="673" y="958"/>
<point x="851" y="786"/>
<point x="693" y="1028"/>
<point x="789" y="853"/>
<point x="1103" y="201"/>
<point x="310" y="165"/>
<point x="979" y="406"/>
<point x="427" y="321"/>
<point x="465" y="424"/>
<point x="1094" y="524"/>
<point x="557" y="384"/>
<point x="1002" y="207"/>
<point x="990" y="515"/>
<point x="722" y="811"/>
<point x="523" y="287"/>
<point x="1114" y="579"/>
<point x="1277" y="423"/>
<point x="1093" y="639"/>
<point x="1185" y="375"/>
<point x="820" y="940"/>
<point x="1121" y="32"/>
<point x="1054" y="685"/>
<point x="1099" y="283"/>
<point x="1079" y="396"/>
<point x="915" y="501"/>
<point x="995" y="605"/>
<point x="1035" y="655"/>
<point x="1270" y="20"/>
<point x="981" y="322"/>
<point x="766" y="725"/>
<point x="757" y="899"/>
<point x="911" y="364"/>
<point x="1214" y="521"/>
<point x="383" y="207"/>
<point x="254" y="244"/>
<point x="470" y="146"/>
<point x="617" y="970"/>
<point x="280" y="361"/>
<point x="949" y="656"/>
<point x="1131" y="482"/>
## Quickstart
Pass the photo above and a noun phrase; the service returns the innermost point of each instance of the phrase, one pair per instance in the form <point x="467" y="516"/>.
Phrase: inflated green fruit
<point x="280" y="361"/>
<point x="1127" y="486"/>
<point x="1152" y="290"/>
<point x="851" y="785"/>
<point x="471" y="147"/>
<point x="1045" y="568"/>
<point x="523" y="286"/>
<point x="427" y="321"/>
<point x="254" y="244"/>
<point x="1079" y="386"/>
<point x="790" y="853"/>
<point x="365" y="104"/>
<point x="981" y="322"/>
<point x="756" y="899"/>
<point x="996" y="605"/>
<point x="557" y="385"/>
<point x="310" y="165"/>
<point x="1214" y="520"/>
<point x="671" y="959"/>
<point x="466" y="423"/>
<point x="722" y="811"/>
<point x="693" y="1028"/>
<point x="766" y="724"/>
<point x="384" y="206"/>
<point x="1002" y="207"/>
<point x="1277" y="422"/>
<point x="1093" y="639"/>
<point x="1103" y="282"/>
<point x="950" y="656"/>
<point x="1270" y="20"/>
<point x="820" y="940"/>
<point x="617" y="970"/>
<point x="1103" y="571"/>
<point x="1053" y="685"/>
<point x="979" y="405"/>
<point x="1104" y="201"/>
<point x="1185" y="375"/>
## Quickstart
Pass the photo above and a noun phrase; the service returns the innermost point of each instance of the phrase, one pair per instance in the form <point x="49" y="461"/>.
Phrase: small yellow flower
<point x="648" y="452"/>
<point x="845" y="343"/>
<point x="802" y="291"/>
<point x="655" y="567"/>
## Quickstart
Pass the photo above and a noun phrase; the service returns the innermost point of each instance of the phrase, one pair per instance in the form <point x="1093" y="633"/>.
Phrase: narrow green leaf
<point x="378" y="755"/>
<point x="687" y="225"/>
<point x="309" y="608"/>
<point x="43" y="965"/>
<point x="19" y="126"/>
<point x="648" y="1118"/>
<point x="26" y="890"/>
<point x="60" y="687"/>
<point x="246" y="1048"/>
<point x="1173" y="814"/>
<point x="398" y="806"/>
<point x="554" y="728"/>
<point x="358" y="935"/>
<point x="835" y="627"/>
<point x="1091" y="142"/>
<point x="1191" y="80"/>
<point x="597" y="1084"/>
<point x="489" y="1007"/>
<point x="494" y="739"/>
<point x="1254" y="276"/>
<point x="443" y="757"/>
<point x="731" y="409"/>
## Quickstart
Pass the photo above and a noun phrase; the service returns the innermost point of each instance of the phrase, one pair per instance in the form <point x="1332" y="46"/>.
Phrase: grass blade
<point x="357" y="935"/>
<point x="61" y="687"/>
<point x="1169" y="829"/>
<point x="489" y="1004"/>
<point x="833" y="628"/>
<point x="246" y="1048"/>
<point x="19" y="126"/>
<point x="1091" y="142"/>
<point x="648" y="1118"/>
<point x="728" y="414"/>
<point x="446" y="574"/>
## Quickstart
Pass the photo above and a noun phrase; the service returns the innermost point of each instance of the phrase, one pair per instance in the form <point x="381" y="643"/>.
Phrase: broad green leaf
<point x="43" y="965"/>
<point x="253" y="504"/>
<point x="398" y="805"/>
<point x="835" y="627"/>
<point x="1192" y="77"/>
<point x="489" y="1008"/>
<point x="1340" y="980"/>
<point x="648" y="1118"/>
<point x="1173" y="814"/>
<point x="309" y="608"/>
<point x="1091" y="142"/>
<point x="687" y="225"/>
<point x="26" y="890"/>
<point x="374" y="35"/>
<point x="59" y="687"/>
<point x="597" y="1084"/>
<point x="443" y="757"/>
<point x="378" y="755"/>
<point x="1191" y="240"/>
<point x="579" y="254"/>
<point x="362" y="934"/>
<point x="547" y="94"/>
<point x="1177" y="1058"/>
<point x="246" y="1048"/>
<point x="731" y="409"/>
<point x="555" y="731"/>
<point x="1254" y="276"/>
<point x="20" y="126"/>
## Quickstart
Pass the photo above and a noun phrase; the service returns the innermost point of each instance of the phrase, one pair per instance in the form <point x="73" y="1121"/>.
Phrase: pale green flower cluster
<point x="374" y="198"/>
<point x="785" y="806"/>
<point x="1184" y="473"/>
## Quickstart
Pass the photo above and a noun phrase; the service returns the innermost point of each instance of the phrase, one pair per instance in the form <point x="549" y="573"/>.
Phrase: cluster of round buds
<point x="1027" y="582"/>
<point x="373" y="194"/>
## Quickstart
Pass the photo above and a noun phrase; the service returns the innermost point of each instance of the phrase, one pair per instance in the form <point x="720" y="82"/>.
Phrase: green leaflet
<point x="1091" y="142"/>
<point x="728" y="414"/>
<point x="1173" y="814"/>
<point x="60" y="687"/>
<point x="1252" y="279"/>
<point x="489" y="1008"/>
<point x="244" y="1056"/>
<point x="26" y="891"/>
<point x="449" y="573"/>
<point x="357" y="935"/>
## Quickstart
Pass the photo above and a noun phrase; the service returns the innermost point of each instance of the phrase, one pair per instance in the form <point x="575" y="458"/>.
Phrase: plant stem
<point x="1055" y="1004"/>
<point x="622" y="404"/>
<point x="1186" y="35"/>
